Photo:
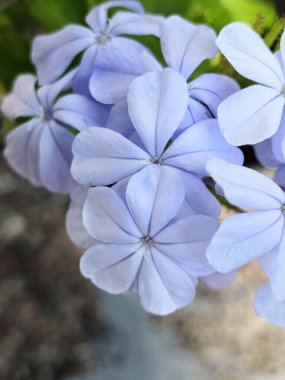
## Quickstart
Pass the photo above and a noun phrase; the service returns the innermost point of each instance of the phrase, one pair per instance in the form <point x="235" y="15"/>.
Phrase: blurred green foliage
<point x="21" y="20"/>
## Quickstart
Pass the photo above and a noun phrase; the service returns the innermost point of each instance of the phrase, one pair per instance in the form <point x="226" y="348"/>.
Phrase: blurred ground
<point x="48" y="312"/>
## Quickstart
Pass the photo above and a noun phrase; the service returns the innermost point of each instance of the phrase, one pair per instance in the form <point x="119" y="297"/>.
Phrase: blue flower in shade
<point x="255" y="113"/>
<point x="184" y="46"/>
<point x="157" y="103"/>
<point x="142" y="243"/>
<point x="52" y="54"/>
<point x="258" y="233"/>
<point x="40" y="148"/>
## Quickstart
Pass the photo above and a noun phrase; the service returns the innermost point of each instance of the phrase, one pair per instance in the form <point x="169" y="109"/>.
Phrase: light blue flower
<point x="40" y="148"/>
<point x="253" y="114"/>
<point x="157" y="103"/>
<point x="52" y="54"/>
<point x="184" y="47"/>
<point x="258" y="233"/>
<point x="142" y="245"/>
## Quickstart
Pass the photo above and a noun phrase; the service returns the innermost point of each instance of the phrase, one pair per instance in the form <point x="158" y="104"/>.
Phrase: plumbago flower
<point x="259" y="233"/>
<point x="104" y="157"/>
<point x="184" y="46"/>
<point x="52" y="54"/>
<point x="40" y="148"/>
<point x="255" y="113"/>
<point x="143" y="245"/>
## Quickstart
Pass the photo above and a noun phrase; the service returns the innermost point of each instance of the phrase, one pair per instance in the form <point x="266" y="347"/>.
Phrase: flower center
<point x="47" y="114"/>
<point x="102" y="39"/>
<point x="147" y="243"/>
<point x="283" y="209"/>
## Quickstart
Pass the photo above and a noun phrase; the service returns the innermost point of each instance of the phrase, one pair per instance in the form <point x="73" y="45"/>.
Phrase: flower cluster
<point x="134" y="142"/>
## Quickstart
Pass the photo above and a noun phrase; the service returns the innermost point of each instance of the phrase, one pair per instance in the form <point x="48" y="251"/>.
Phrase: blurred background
<point x="54" y="325"/>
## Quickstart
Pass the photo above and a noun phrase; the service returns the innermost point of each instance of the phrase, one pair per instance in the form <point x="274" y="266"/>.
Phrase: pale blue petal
<point x="244" y="237"/>
<point x="22" y="150"/>
<point x="106" y="218"/>
<point x="249" y="55"/>
<point x="135" y="24"/>
<point x="199" y="197"/>
<point x="268" y="307"/>
<point x="246" y="188"/>
<point x="118" y="63"/>
<point x="191" y="150"/>
<point x="53" y="53"/>
<point x="55" y="158"/>
<point x="195" y="112"/>
<point x="251" y="115"/>
<point x="163" y="286"/>
<point x="80" y="112"/>
<point x="74" y="219"/>
<point x="149" y="98"/>
<point x="185" y="45"/>
<point x="111" y="267"/>
<point x="103" y="157"/>
<point x="279" y="176"/>
<point x="212" y="89"/>
<point x="154" y="197"/>
<point x="97" y="18"/>
<point x="265" y="155"/>
<point x="23" y="99"/>
<point x="278" y="141"/>
<point x="185" y="242"/>
<point x="47" y="94"/>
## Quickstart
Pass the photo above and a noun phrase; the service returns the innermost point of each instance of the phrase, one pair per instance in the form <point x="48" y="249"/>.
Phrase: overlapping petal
<point x="149" y="100"/>
<point x="192" y="149"/>
<point x="268" y="307"/>
<point x="163" y="286"/>
<point x="53" y="53"/>
<point x="249" y="55"/>
<point x="159" y="193"/>
<point x="246" y="188"/>
<point x="23" y="100"/>
<point x="244" y="237"/>
<point x="106" y="218"/>
<point x="251" y="115"/>
<point x="103" y="157"/>
<point x="118" y="63"/>
<point x="185" y="45"/>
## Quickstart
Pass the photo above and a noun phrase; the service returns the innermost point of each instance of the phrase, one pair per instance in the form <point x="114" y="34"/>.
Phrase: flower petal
<point x="74" y="219"/>
<point x="53" y="53"/>
<point x="117" y="64"/>
<point x="264" y="153"/>
<point x="244" y="237"/>
<point x="103" y="157"/>
<point x="111" y="267"/>
<point x="163" y="286"/>
<point x="135" y="24"/>
<point x="251" y="115"/>
<point x="191" y="150"/>
<point x="268" y="307"/>
<point x="246" y="188"/>
<point x="55" y="158"/>
<point x="279" y="176"/>
<point x="185" y="242"/>
<point x="22" y="150"/>
<point x="154" y="197"/>
<point x="23" y="100"/>
<point x="106" y="218"/>
<point x="80" y="112"/>
<point x="278" y="141"/>
<point x="249" y="55"/>
<point x="97" y="18"/>
<point x="185" y="45"/>
<point x="212" y="89"/>
<point x="149" y="98"/>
